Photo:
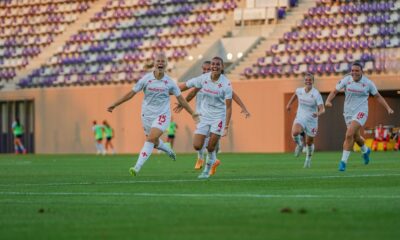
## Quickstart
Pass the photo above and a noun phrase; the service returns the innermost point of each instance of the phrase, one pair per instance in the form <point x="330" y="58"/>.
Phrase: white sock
<point x="364" y="149"/>
<point x="163" y="147"/>
<point x="202" y="154"/>
<point x="16" y="148"/>
<point x="144" y="155"/>
<point x="310" y="151"/>
<point x="345" y="156"/>
<point x="98" y="147"/>
<point x="297" y="140"/>
<point x="212" y="156"/>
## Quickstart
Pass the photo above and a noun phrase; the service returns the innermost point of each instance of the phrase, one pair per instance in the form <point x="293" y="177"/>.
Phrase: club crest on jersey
<point x="220" y="85"/>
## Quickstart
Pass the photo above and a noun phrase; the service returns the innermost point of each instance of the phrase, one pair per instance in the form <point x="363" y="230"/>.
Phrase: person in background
<point x="18" y="131"/>
<point x="109" y="132"/>
<point x="98" y="137"/>
<point x="171" y="130"/>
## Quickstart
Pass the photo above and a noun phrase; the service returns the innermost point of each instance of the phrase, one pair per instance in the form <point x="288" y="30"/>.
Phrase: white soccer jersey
<point x="356" y="93"/>
<point x="199" y="100"/>
<point x="308" y="103"/>
<point x="212" y="105"/>
<point x="156" y="94"/>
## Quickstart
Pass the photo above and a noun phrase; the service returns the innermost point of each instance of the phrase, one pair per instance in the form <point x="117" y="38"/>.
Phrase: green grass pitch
<point x="252" y="196"/>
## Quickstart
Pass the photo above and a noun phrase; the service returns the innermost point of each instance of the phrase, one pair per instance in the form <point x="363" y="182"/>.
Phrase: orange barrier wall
<point x="63" y="117"/>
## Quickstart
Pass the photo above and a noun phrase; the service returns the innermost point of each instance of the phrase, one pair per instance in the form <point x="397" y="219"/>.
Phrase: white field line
<point x="198" y="195"/>
<point x="197" y="180"/>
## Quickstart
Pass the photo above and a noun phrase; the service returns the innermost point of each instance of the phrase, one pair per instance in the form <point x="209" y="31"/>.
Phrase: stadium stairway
<point x="182" y="68"/>
<point x="58" y="42"/>
<point x="292" y="18"/>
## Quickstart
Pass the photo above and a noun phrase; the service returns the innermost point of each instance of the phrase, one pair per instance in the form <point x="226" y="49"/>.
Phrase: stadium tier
<point x="119" y="41"/>
<point x="27" y="27"/>
<point x="330" y="37"/>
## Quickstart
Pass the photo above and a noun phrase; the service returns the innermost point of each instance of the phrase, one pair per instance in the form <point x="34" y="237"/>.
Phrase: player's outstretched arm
<point x="183" y="87"/>
<point x="383" y="102"/>
<point x="192" y="94"/>
<point x="291" y="100"/>
<point x="125" y="98"/>
<point x="331" y="96"/>
<point x="178" y="108"/>
<point x="239" y="102"/>
<point x="186" y="106"/>
<point x="321" y="110"/>
<point x="228" y="103"/>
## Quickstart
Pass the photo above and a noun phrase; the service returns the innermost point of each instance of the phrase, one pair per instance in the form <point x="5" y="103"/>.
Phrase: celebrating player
<point x="156" y="112"/>
<point x="357" y="88"/>
<point x="311" y="106"/>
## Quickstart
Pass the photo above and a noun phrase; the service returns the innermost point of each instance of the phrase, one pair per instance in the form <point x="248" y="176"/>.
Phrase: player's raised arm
<point x="186" y="106"/>
<point x="178" y="108"/>
<point x="291" y="100"/>
<point x="239" y="102"/>
<point x="331" y="96"/>
<point x="228" y="103"/>
<point x="125" y="98"/>
<point x="383" y="102"/>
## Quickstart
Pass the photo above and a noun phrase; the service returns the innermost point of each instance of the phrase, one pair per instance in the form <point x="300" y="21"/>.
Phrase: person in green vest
<point x="171" y="130"/>
<point x="109" y="132"/>
<point x="18" y="131"/>
<point x="98" y="136"/>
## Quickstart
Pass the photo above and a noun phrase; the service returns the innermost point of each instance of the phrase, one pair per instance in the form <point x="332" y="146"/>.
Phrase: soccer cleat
<point x="342" y="166"/>
<point x="214" y="167"/>
<point x="204" y="175"/>
<point x="133" y="171"/>
<point x="298" y="150"/>
<point x="172" y="155"/>
<point x="199" y="164"/>
<point x="366" y="156"/>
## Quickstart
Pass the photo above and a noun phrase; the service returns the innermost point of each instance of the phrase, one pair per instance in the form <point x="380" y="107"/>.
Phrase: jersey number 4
<point x="360" y="115"/>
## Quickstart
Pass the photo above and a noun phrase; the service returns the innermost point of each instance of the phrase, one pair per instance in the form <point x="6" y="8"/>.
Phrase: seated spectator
<point x="381" y="135"/>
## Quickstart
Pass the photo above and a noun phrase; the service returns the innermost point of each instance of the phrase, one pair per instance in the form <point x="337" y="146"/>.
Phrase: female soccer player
<point x="216" y="109"/>
<point x="357" y="88"/>
<point x="109" y="132"/>
<point x="201" y="154"/>
<point x="18" y="131"/>
<point x="311" y="106"/>
<point x="156" y="112"/>
<point x="98" y="131"/>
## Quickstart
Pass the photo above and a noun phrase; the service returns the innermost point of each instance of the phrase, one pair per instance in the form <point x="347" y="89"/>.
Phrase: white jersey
<point x="308" y="102"/>
<point x="356" y="93"/>
<point x="156" y="94"/>
<point x="212" y="106"/>
<point x="199" y="100"/>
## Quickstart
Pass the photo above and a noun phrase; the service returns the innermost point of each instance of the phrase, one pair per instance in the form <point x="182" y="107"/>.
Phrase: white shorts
<point x="205" y="127"/>
<point x="161" y="122"/>
<point x="310" y="126"/>
<point x="360" y="117"/>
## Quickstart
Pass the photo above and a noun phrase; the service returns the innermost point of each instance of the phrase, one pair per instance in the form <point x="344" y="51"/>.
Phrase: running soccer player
<point x="156" y="112"/>
<point x="311" y="106"/>
<point x="202" y="153"/>
<point x="215" y="107"/>
<point x="357" y="88"/>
